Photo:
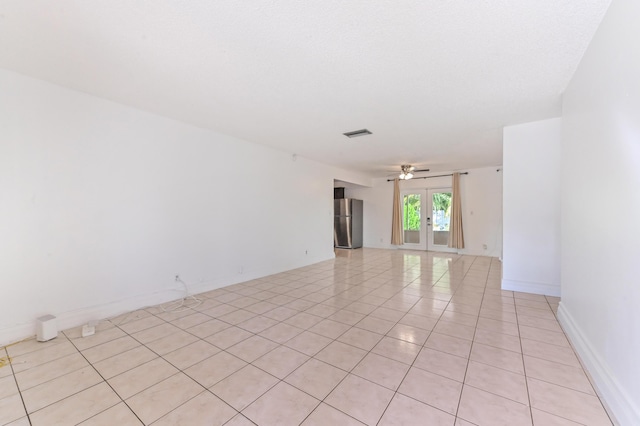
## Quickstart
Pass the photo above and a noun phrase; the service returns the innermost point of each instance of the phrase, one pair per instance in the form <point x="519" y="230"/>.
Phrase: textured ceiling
<point x="435" y="81"/>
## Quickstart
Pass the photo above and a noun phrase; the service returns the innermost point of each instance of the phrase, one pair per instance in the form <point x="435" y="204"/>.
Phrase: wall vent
<point x="356" y="133"/>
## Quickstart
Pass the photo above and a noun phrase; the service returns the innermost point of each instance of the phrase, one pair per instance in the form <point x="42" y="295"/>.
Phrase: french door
<point x="426" y="215"/>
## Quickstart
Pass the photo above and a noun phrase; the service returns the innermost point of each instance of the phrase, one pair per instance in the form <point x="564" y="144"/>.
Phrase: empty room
<point x="319" y="213"/>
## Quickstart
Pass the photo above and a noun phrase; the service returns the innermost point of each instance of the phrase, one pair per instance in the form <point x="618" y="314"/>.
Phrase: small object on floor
<point x="46" y="328"/>
<point x="88" y="330"/>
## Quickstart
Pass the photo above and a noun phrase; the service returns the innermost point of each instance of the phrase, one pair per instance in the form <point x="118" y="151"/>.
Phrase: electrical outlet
<point x="241" y="270"/>
<point x="484" y="246"/>
<point x="306" y="252"/>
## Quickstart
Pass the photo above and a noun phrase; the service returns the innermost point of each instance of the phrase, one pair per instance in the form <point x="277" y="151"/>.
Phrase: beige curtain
<point x="456" y="236"/>
<point x="396" y="221"/>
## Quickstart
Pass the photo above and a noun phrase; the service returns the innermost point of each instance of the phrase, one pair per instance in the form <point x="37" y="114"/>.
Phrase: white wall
<point x="600" y="308"/>
<point x="101" y="205"/>
<point x="531" y="207"/>
<point x="481" y="193"/>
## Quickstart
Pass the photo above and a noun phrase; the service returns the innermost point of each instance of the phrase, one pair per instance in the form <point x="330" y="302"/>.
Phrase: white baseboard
<point x="531" y="287"/>
<point x="623" y="408"/>
<point x="70" y="319"/>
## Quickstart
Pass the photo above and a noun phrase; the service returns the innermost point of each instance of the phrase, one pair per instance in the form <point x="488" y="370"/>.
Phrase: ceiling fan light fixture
<point x="406" y="172"/>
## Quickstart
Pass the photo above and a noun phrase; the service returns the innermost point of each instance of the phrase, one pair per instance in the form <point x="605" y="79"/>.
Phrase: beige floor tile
<point x="360" y="308"/>
<point x="280" y="313"/>
<point x="496" y="357"/>
<point x="141" y="324"/>
<point x="308" y="343"/>
<point x="158" y="400"/>
<point x="119" y="415"/>
<point x="422" y="322"/>
<point x="341" y="355"/>
<point x="257" y="324"/>
<point x="171" y="342"/>
<point x="303" y="320"/>
<point x="215" y="368"/>
<point x="38" y="357"/>
<point x="409" y="333"/>
<point x="236" y="317"/>
<point x="484" y="408"/>
<point x="189" y="355"/>
<point x="59" y="388"/>
<point x="31" y="345"/>
<point x="567" y="403"/>
<point x="442" y="363"/>
<point x="456" y="330"/>
<point x="494" y="312"/>
<point x="208" y="328"/>
<point x="239" y="420"/>
<point x="461" y="422"/>
<point x="78" y="407"/>
<point x="124" y="361"/>
<point x="396" y="349"/>
<point x="407" y="411"/>
<point x="558" y="374"/>
<point x="321" y="310"/>
<point x="545" y="324"/>
<point x="109" y="349"/>
<point x="432" y="389"/>
<point x="498" y="340"/>
<point x="316" y="378"/>
<point x="546" y="419"/>
<point x="383" y="371"/>
<point x="327" y="415"/>
<point x="496" y="326"/>
<point x="101" y="336"/>
<point x="330" y="328"/>
<point x="203" y="409"/>
<point x="347" y="317"/>
<point x="463" y="308"/>
<point x="449" y="344"/>
<point x="360" y="338"/>
<point x="553" y="353"/>
<point x="282" y="405"/>
<point x="388" y="314"/>
<point x="142" y="377"/>
<point x="49" y="371"/>
<point x="243" y="302"/>
<point x="244" y="386"/>
<point x="497" y="381"/>
<point x="281" y="361"/>
<point x="360" y="399"/>
<point x="281" y="333"/>
<point x="375" y="325"/>
<point x="8" y="386"/>
<point x="546" y="336"/>
<point x="190" y="320"/>
<point x="155" y="333"/>
<point x="252" y="348"/>
<point x="11" y="409"/>
<point x="228" y="337"/>
<point x="261" y="307"/>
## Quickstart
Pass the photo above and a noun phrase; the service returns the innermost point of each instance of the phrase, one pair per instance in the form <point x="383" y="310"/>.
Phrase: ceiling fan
<point x="407" y="171"/>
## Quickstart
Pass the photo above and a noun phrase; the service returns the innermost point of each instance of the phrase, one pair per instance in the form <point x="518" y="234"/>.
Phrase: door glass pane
<point x="411" y="218"/>
<point x="441" y="215"/>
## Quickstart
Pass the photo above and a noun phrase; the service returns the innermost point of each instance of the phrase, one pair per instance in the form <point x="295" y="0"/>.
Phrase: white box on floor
<point x="46" y="328"/>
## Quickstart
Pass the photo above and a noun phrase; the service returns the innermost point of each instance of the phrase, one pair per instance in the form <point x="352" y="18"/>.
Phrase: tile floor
<point x="374" y="337"/>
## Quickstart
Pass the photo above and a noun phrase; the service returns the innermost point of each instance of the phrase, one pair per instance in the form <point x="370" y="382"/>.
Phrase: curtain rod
<point x="429" y="177"/>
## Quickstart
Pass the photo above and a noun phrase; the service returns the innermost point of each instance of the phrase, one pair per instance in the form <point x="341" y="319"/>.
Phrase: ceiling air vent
<point x="356" y="133"/>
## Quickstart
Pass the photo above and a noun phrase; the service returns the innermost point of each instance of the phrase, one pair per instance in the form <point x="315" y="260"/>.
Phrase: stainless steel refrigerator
<point x="347" y="224"/>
